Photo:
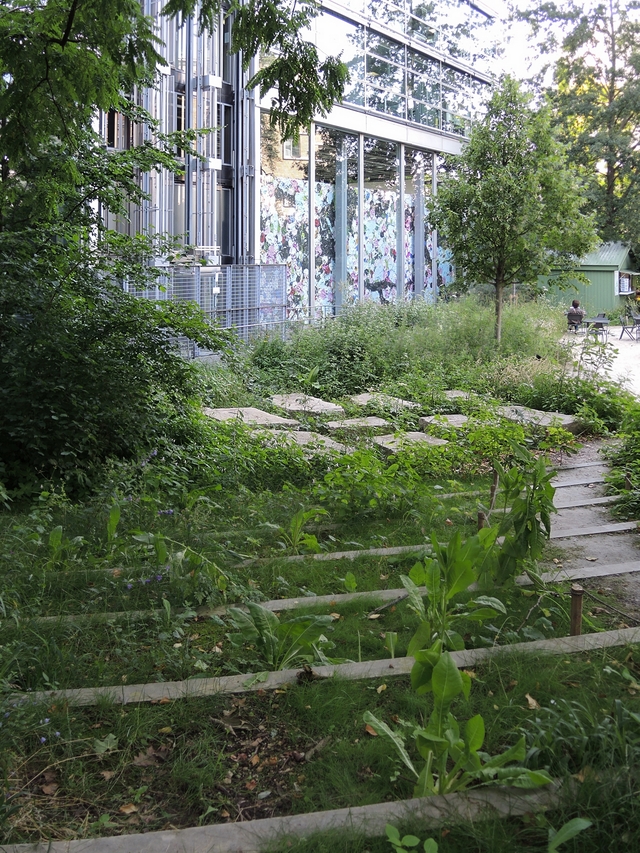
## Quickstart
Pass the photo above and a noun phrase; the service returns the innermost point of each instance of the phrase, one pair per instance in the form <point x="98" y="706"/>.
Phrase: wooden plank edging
<point x="199" y="687"/>
<point x="256" y="835"/>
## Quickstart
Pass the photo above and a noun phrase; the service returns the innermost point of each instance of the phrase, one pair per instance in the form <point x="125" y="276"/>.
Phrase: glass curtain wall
<point x="336" y="220"/>
<point x="284" y="212"/>
<point x="382" y="220"/>
<point x="369" y="220"/>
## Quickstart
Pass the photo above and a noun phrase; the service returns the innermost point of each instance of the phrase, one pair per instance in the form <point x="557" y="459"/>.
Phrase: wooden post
<point x="577" y="593"/>
<point x="482" y="520"/>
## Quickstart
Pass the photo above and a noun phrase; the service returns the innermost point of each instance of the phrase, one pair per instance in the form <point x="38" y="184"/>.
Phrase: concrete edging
<point x="126" y="694"/>
<point x="256" y="835"/>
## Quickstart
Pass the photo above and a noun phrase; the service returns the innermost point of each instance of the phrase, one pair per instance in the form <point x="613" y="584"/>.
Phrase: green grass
<point x="192" y="761"/>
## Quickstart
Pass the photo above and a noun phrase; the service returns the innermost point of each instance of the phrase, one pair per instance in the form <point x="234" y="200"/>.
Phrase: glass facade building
<point x="344" y="208"/>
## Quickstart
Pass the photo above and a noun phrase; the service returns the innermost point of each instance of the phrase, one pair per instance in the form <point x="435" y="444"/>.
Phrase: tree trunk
<point x="498" y="329"/>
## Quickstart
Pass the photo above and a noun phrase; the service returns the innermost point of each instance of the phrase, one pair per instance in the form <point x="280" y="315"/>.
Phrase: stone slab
<point x="362" y="425"/>
<point x="576" y="465"/>
<point x="534" y="417"/>
<point x="454" y="421"/>
<point x="394" y="443"/>
<point x="199" y="687"/>
<point x="385" y="401"/>
<point x="251" y="416"/>
<point x="312" y="442"/>
<point x="255" y="836"/>
<point x="459" y="395"/>
<point x="306" y="404"/>
<point x="596" y="530"/>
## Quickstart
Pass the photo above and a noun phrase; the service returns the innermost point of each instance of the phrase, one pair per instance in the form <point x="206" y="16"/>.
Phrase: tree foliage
<point x="509" y="207"/>
<point x="596" y="101"/>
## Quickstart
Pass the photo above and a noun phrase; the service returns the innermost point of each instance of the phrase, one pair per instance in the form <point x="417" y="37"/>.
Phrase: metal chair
<point x="630" y="328"/>
<point x="574" y="321"/>
<point x="600" y="330"/>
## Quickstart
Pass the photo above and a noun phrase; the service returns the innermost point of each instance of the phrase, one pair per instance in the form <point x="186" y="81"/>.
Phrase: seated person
<point x="575" y="315"/>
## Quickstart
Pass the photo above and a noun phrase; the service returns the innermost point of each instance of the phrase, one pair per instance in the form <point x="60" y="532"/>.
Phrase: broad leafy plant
<point x="280" y="645"/>
<point x="453" y="759"/>
<point x="452" y="570"/>
<point x="296" y="538"/>
<point x="527" y="496"/>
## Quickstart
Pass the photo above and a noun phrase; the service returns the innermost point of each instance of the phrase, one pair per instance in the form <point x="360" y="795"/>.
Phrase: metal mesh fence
<point x="250" y="298"/>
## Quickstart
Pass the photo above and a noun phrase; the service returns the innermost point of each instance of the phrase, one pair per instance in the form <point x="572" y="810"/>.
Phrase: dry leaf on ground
<point x="370" y="730"/>
<point x="128" y="809"/>
<point x="531" y="702"/>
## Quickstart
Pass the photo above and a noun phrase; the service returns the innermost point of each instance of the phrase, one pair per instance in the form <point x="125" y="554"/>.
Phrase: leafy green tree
<point x="509" y="207"/>
<point x="86" y="370"/>
<point x="596" y="101"/>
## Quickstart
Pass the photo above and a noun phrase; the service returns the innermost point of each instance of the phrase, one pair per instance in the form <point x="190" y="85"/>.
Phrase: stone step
<point x="595" y="501"/>
<point x="368" y="425"/>
<point x="393" y="443"/>
<point x="312" y="443"/>
<point x="535" y="417"/>
<point x="251" y="416"/>
<point x="596" y="530"/>
<point x="384" y="401"/>
<point x="593" y="570"/>
<point x="305" y="404"/>
<point x="454" y="421"/>
<point x="579" y="481"/>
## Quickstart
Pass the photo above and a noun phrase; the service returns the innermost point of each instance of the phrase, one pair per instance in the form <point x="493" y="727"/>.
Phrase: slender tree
<point x="596" y="102"/>
<point x="509" y="207"/>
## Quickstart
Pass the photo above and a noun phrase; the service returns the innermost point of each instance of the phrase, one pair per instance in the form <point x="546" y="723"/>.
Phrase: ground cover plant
<point x="209" y="760"/>
<point x="222" y="517"/>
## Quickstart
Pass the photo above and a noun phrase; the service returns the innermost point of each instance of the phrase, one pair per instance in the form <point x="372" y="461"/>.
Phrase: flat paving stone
<point x="566" y="483"/>
<point x="534" y="417"/>
<point x="255" y="836"/>
<point x="363" y="425"/>
<point x="250" y="415"/>
<point x="459" y="395"/>
<point x="394" y="443"/>
<point x="386" y="401"/>
<point x="454" y="421"/>
<point x="567" y="503"/>
<point x="312" y="443"/>
<point x="305" y="403"/>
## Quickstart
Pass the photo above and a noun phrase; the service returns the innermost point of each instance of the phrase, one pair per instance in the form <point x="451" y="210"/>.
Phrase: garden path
<point x="599" y="555"/>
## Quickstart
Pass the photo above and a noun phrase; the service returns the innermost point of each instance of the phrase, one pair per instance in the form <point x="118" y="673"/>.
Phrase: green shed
<point x="614" y="276"/>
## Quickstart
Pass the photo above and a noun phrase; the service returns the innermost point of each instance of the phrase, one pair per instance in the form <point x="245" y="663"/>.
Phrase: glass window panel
<point x="380" y="202"/>
<point x="423" y="90"/>
<point x="284" y="215"/>
<point x="347" y="39"/>
<point x="336" y="220"/>
<point x="423" y="114"/>
<point x="422" y="30"/>
<point x="418" y="189"/>
<point x="388" y="12"/>
<point x="386" y="48"/>
<point x="425" y="65"/>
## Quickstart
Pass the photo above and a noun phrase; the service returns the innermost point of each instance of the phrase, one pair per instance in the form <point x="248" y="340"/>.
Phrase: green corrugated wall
<point x="595" y="297"/>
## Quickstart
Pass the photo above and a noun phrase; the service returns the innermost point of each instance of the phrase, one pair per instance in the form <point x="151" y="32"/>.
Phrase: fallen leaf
<point x="374" y="616"/>
<point x="448" y="522"/>
<point x="49" y="789"/>
<point x="496" y="707"/>
<point x="381" y="689"/>
<point x="107" y="774"/>
<point x="470" y="673"/>
<point x="335" y="615"/>
<point x="165" y="730"/>
<point x="177" y="645"/>
<point x="128" y="809"/>
<point x="531" y="702"/>
<point x="384" y="577"/>
<point x="255" y="759"/>
<point x="556" y="561"/>
<point x="164" y="701"/>
<point x="224" y="813"/>
<point x="591" y="559"/>
<point x="571" y="684"/>
<point x="251" y="784"/>
<point x="370" y="730"/>
<point x="151" y="757"/>
<point x="116" y="573"/>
